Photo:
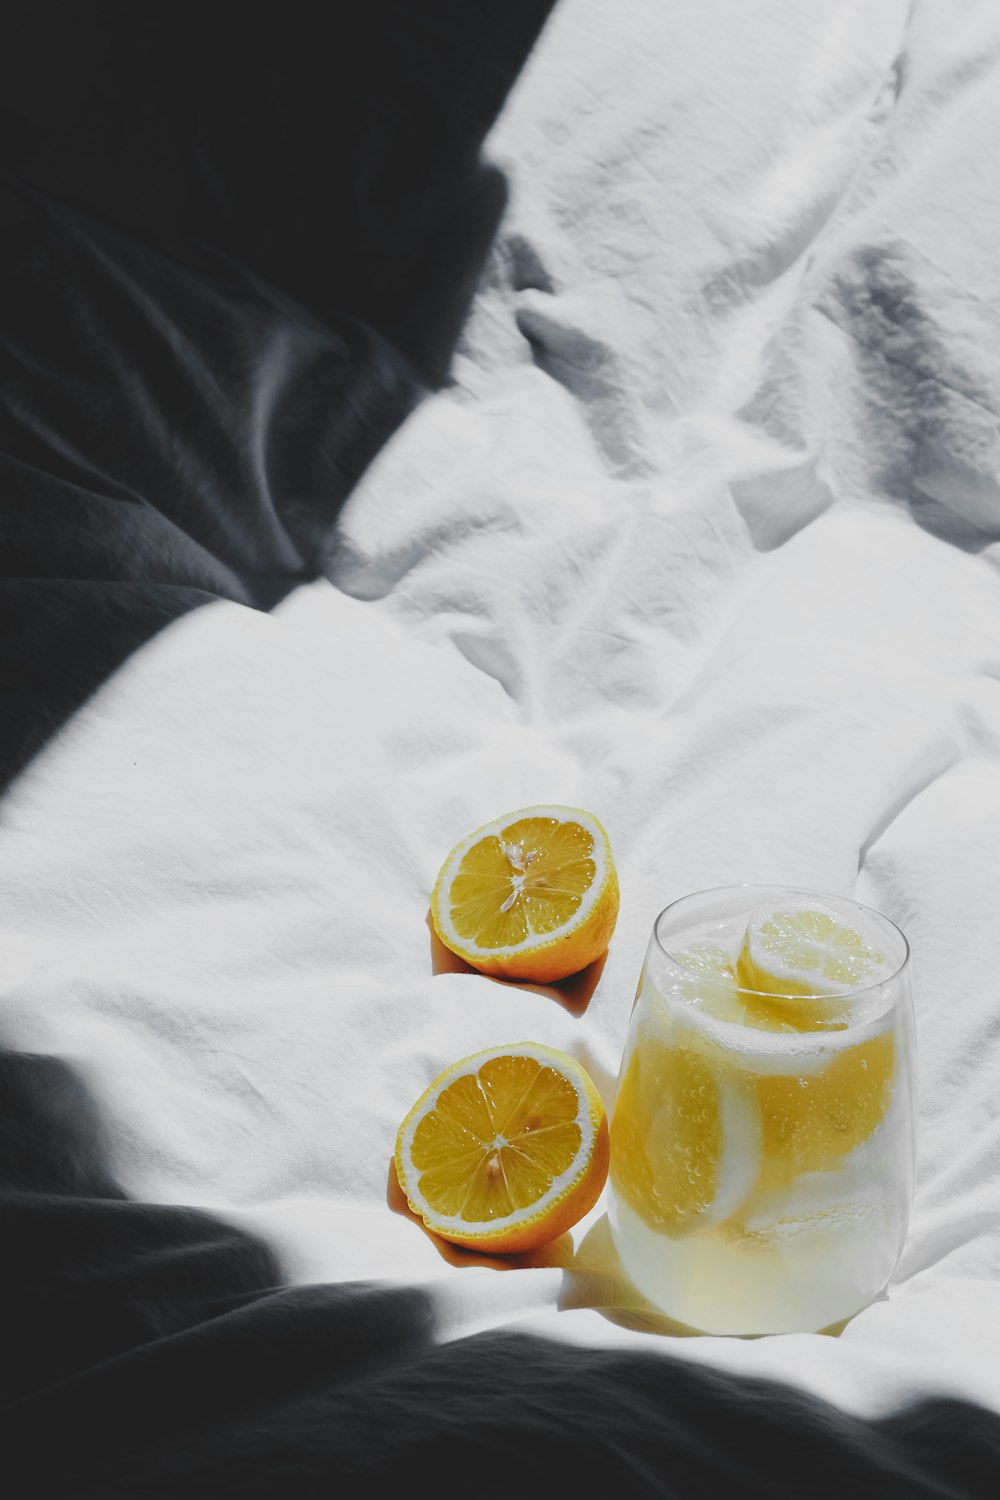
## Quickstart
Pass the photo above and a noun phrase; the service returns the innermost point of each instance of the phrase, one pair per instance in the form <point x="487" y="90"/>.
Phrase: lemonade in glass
<point x="762" y="1139"/>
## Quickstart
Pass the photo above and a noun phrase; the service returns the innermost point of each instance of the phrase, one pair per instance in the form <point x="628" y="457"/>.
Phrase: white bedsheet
<point x="704" y="537"/>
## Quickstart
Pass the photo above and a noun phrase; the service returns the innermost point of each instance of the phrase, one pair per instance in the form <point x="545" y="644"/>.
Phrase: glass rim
<point x="812" y="895"/>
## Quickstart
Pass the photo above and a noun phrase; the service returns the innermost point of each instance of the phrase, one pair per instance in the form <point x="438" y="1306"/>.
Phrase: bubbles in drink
<point x="761" y="1140"/>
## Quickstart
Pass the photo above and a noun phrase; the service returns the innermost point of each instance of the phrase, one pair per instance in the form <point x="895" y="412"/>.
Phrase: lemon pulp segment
<point x="527" y="881"/>
<point x="496" y="1140"/>
<point x="532" y="895"/>
<point x="810" y="1123"/>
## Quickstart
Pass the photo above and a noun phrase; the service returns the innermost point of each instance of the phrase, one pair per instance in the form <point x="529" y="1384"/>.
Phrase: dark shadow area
<point x="170" y="1310"/>
<point x="151" y="1350"/>
<point x="85" y="1274"/>
<point x="237" y="245"/>
<point x="510" y="1413"/>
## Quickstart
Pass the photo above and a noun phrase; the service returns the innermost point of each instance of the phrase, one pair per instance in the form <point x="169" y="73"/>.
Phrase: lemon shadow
<point x="557" y="1254"/>
<point x="574" y="993"/>
<point x="596" y="1278"/>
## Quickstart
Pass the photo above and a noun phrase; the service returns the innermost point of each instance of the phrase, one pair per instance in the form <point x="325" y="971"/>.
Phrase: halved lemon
<point x="532" y="895"/>
<point x="506" y="1149"/>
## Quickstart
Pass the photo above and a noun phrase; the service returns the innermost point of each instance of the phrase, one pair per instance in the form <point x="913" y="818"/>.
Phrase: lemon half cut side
<point x="506" y="1149"/>
<point x="532" y="895"/>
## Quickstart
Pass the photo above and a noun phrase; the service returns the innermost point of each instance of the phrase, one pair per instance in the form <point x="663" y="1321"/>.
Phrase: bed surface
<point x="702" y="534"/>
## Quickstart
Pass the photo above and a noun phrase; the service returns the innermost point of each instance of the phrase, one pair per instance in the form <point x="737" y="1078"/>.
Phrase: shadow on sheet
<point x="219" y="295"/>
<point x="237" y="246"/>
<point x="152" y="1350"/>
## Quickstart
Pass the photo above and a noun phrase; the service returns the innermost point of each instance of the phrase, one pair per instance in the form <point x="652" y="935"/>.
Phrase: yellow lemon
<point x="685" y="1136"/>
<point x="805" y="957"/>
<point x="532" y="895"/>
<point x="805" y="951"/>
<point x="812" y="1121"/>
<point x="506" y="1149"/>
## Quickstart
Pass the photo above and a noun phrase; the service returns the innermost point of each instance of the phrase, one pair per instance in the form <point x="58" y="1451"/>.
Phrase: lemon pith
<point x="533" y="895"/>
<point x="506" y="1149"/>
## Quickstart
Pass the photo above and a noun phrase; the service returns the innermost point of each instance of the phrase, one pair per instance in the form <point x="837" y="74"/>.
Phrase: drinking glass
<point x="763" y="1143"/>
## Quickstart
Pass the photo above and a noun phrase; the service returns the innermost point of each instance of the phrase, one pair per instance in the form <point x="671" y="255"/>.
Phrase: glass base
<point x="809" y="1278"/>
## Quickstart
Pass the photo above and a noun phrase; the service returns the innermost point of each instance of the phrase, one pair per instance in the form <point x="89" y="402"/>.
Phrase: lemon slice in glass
<point x="685" y="1135"/>
<point x="806" y="952"/>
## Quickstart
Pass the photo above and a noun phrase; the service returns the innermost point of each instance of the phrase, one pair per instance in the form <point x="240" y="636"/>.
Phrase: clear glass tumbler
<point x="763" y="1133"/>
